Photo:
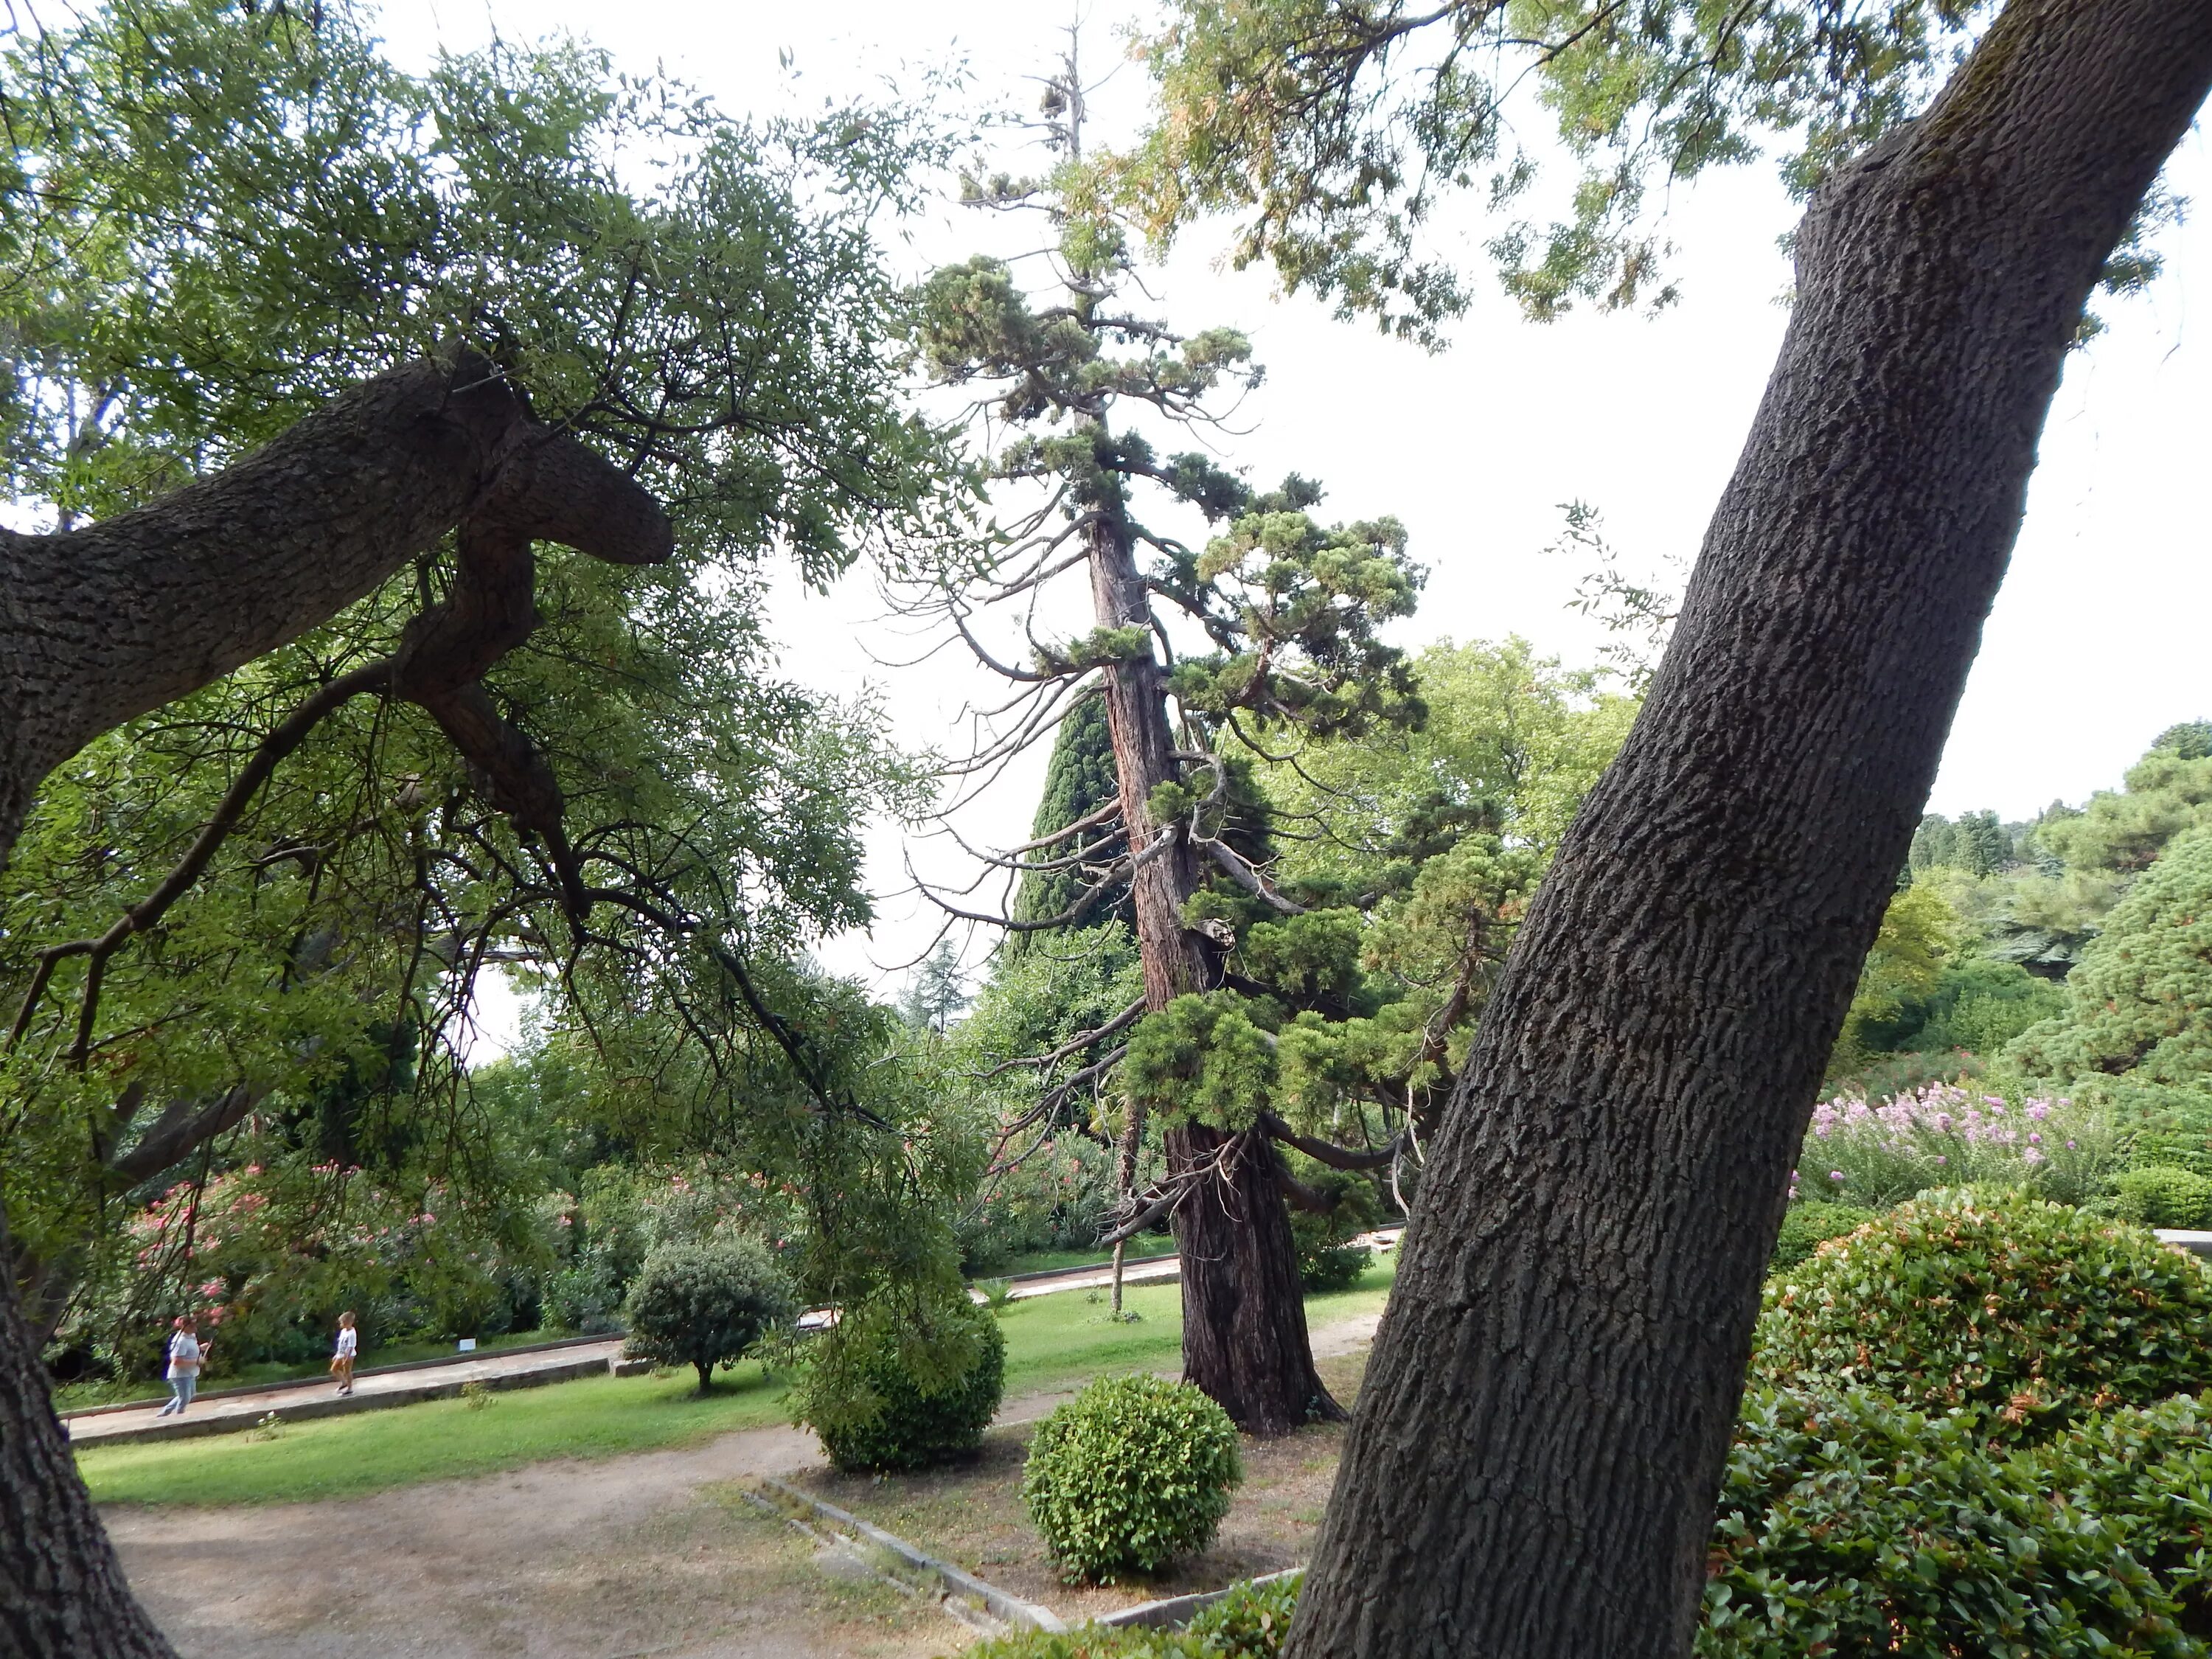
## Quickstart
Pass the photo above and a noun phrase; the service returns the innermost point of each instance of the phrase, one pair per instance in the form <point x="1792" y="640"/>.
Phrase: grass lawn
<point x="1052" y="1342"/>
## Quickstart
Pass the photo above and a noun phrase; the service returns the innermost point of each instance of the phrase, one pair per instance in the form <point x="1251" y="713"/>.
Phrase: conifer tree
<point x="1266" y="633"/>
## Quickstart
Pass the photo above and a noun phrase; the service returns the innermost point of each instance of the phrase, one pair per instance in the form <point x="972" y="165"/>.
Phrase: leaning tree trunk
<point x="1533" y="1463"/>
<point x="105" y="622"/>
<point x="1243" y="1312"/>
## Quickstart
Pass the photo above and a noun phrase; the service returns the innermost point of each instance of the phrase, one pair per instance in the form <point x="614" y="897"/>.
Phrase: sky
<point x="2097" y="642"/>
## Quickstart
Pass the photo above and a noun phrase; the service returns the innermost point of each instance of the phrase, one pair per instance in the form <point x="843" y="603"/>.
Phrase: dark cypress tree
<point x="1079" y="781"/>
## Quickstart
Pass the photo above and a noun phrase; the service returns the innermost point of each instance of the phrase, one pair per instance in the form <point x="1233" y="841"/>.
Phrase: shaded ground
<point x="971" y="1514"/>
<point x="652" y="1554"/>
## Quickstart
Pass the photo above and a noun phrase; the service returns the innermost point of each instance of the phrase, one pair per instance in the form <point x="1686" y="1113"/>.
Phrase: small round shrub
<point x="874" y="1413"/>
<point x="1849" y="1525"/>
<point x="2161" y="1196"/>
<point x="704" y="1305"/>
<point x="1130" y="1474"/>
<point x="2027" y="1312"/>
<point x="1806" y="1227"/>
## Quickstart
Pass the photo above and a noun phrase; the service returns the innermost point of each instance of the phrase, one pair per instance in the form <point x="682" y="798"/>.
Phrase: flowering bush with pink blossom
<point x="1950" y="1134"/>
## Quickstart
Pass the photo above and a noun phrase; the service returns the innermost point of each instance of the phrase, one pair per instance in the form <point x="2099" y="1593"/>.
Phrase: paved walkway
<point x="225" y="1413"/>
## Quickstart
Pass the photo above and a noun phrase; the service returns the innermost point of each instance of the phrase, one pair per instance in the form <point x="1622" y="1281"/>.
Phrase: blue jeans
<point x="180" y="1394"/>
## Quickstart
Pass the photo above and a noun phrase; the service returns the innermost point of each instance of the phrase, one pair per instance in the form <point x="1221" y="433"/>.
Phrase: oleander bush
<point x="2027" y="1313"/>
<point x="1129" y="1475"/>
<point x="888" y="1404"/>
<point x="705" y="1305"/>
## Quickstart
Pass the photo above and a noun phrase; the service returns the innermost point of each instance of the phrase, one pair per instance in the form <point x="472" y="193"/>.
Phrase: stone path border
<point x="966" y="1597"/>
<point x="976" y="1604"/>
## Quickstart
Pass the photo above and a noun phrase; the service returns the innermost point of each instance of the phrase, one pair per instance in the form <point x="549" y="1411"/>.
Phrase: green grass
<point x="1052" y="1342"/>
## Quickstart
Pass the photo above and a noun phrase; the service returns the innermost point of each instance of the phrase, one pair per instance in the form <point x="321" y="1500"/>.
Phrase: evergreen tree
<point x="1280" y="615"/>
<point x="1079" y="784"/>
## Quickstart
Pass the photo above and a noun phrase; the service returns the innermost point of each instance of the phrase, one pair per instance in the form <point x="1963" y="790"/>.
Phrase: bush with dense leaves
<point x="704" y="1305"/>
<point x="1327" y="1258"/>
<point x="1129" y="1475"/>
<point x="2027" y="1312"/>
<point x="2160" y="1195"/>
<point x="878" y="1410"/>
<point x="1248" y="1623"/>
<point x="1806" y="1227"/>
<point x="1849" y="1525"/>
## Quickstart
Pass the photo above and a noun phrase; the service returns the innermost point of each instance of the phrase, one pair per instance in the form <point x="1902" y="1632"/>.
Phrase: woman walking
<point x="187" y="1356"/>
<point x="342" y="1357"/>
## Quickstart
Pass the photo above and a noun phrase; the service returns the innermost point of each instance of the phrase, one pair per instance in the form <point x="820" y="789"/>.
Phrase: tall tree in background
<point x="1281" y="614"/>
<point x="308" y="358"/>
<point x="1544" y="1421"/>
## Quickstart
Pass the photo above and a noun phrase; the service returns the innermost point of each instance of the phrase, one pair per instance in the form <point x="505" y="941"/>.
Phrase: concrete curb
<point x="1010" y="1611"/>
<point x="1176" y="1611"/>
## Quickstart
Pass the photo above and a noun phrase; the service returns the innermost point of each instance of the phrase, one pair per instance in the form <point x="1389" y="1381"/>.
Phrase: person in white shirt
<point x="342" y="1358"/>
<point x="187" y="1356"/>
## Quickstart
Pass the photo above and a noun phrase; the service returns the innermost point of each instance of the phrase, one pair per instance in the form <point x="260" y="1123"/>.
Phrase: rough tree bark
<point x="1244" y="1339"/>
<point x="1538" y="1442"/>
<point x="101" y="624"/>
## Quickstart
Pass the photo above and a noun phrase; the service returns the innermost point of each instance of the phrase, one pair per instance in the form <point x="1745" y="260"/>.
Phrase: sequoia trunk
<point x="1540" y="1439"/>
<point x="1245" y="1337"/>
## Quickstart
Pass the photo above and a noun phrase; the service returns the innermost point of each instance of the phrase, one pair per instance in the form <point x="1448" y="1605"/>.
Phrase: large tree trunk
<point x="1244" y="1319"/>
<point x="101" y="624"/>
<point x="1536" y="1453"/>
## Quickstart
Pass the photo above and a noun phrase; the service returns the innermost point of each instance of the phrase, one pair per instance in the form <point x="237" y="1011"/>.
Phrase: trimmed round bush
<point x="1849" y="1525"/>
<point x="879" y="1414"/>
<point x="1806" y="1227"/>
<point x="1130" y="1474"/>
<point x="2025" y="1312"/>
<point x="704" y="1305"/>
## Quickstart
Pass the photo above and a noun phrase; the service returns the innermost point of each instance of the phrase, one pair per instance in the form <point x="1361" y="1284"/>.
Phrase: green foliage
<point x="704" y="1305"/>
<point x="1806" y="1227"/>
<point x="1332" y="130"/>
<point x="1129" y="1475"/>
<point x="907" y="1397"/>
<point x="1250" y="1622"/>
<point x="2141" y="1002"/>
<point x="2169" y="792"/>
<point x="938" y="990"/>
<point x="1328" y="1259"/>
<point x="1079" y="780"/>
<point x="2160" y="1195"/>
<point x="1850" y="1524"/>
<point x="2028" y="1316"/>
<point x="1057" y="1199"/>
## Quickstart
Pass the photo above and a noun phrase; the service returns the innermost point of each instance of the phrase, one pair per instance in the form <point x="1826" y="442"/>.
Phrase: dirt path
<point x="653" y="1553"/>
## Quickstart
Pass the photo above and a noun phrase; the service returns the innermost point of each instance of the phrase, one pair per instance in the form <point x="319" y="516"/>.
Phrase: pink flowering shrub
<point x="1948" y="1134"/>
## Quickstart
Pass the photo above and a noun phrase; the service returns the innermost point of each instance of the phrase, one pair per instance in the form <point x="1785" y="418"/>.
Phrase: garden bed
<point x="970" y="1514"/>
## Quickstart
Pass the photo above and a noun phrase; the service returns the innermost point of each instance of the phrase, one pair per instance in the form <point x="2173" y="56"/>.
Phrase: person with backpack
<point x="187" y="1356"/>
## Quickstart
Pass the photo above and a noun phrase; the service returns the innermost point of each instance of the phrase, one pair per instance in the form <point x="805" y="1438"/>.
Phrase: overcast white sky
<point x="2098" y="640"/>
